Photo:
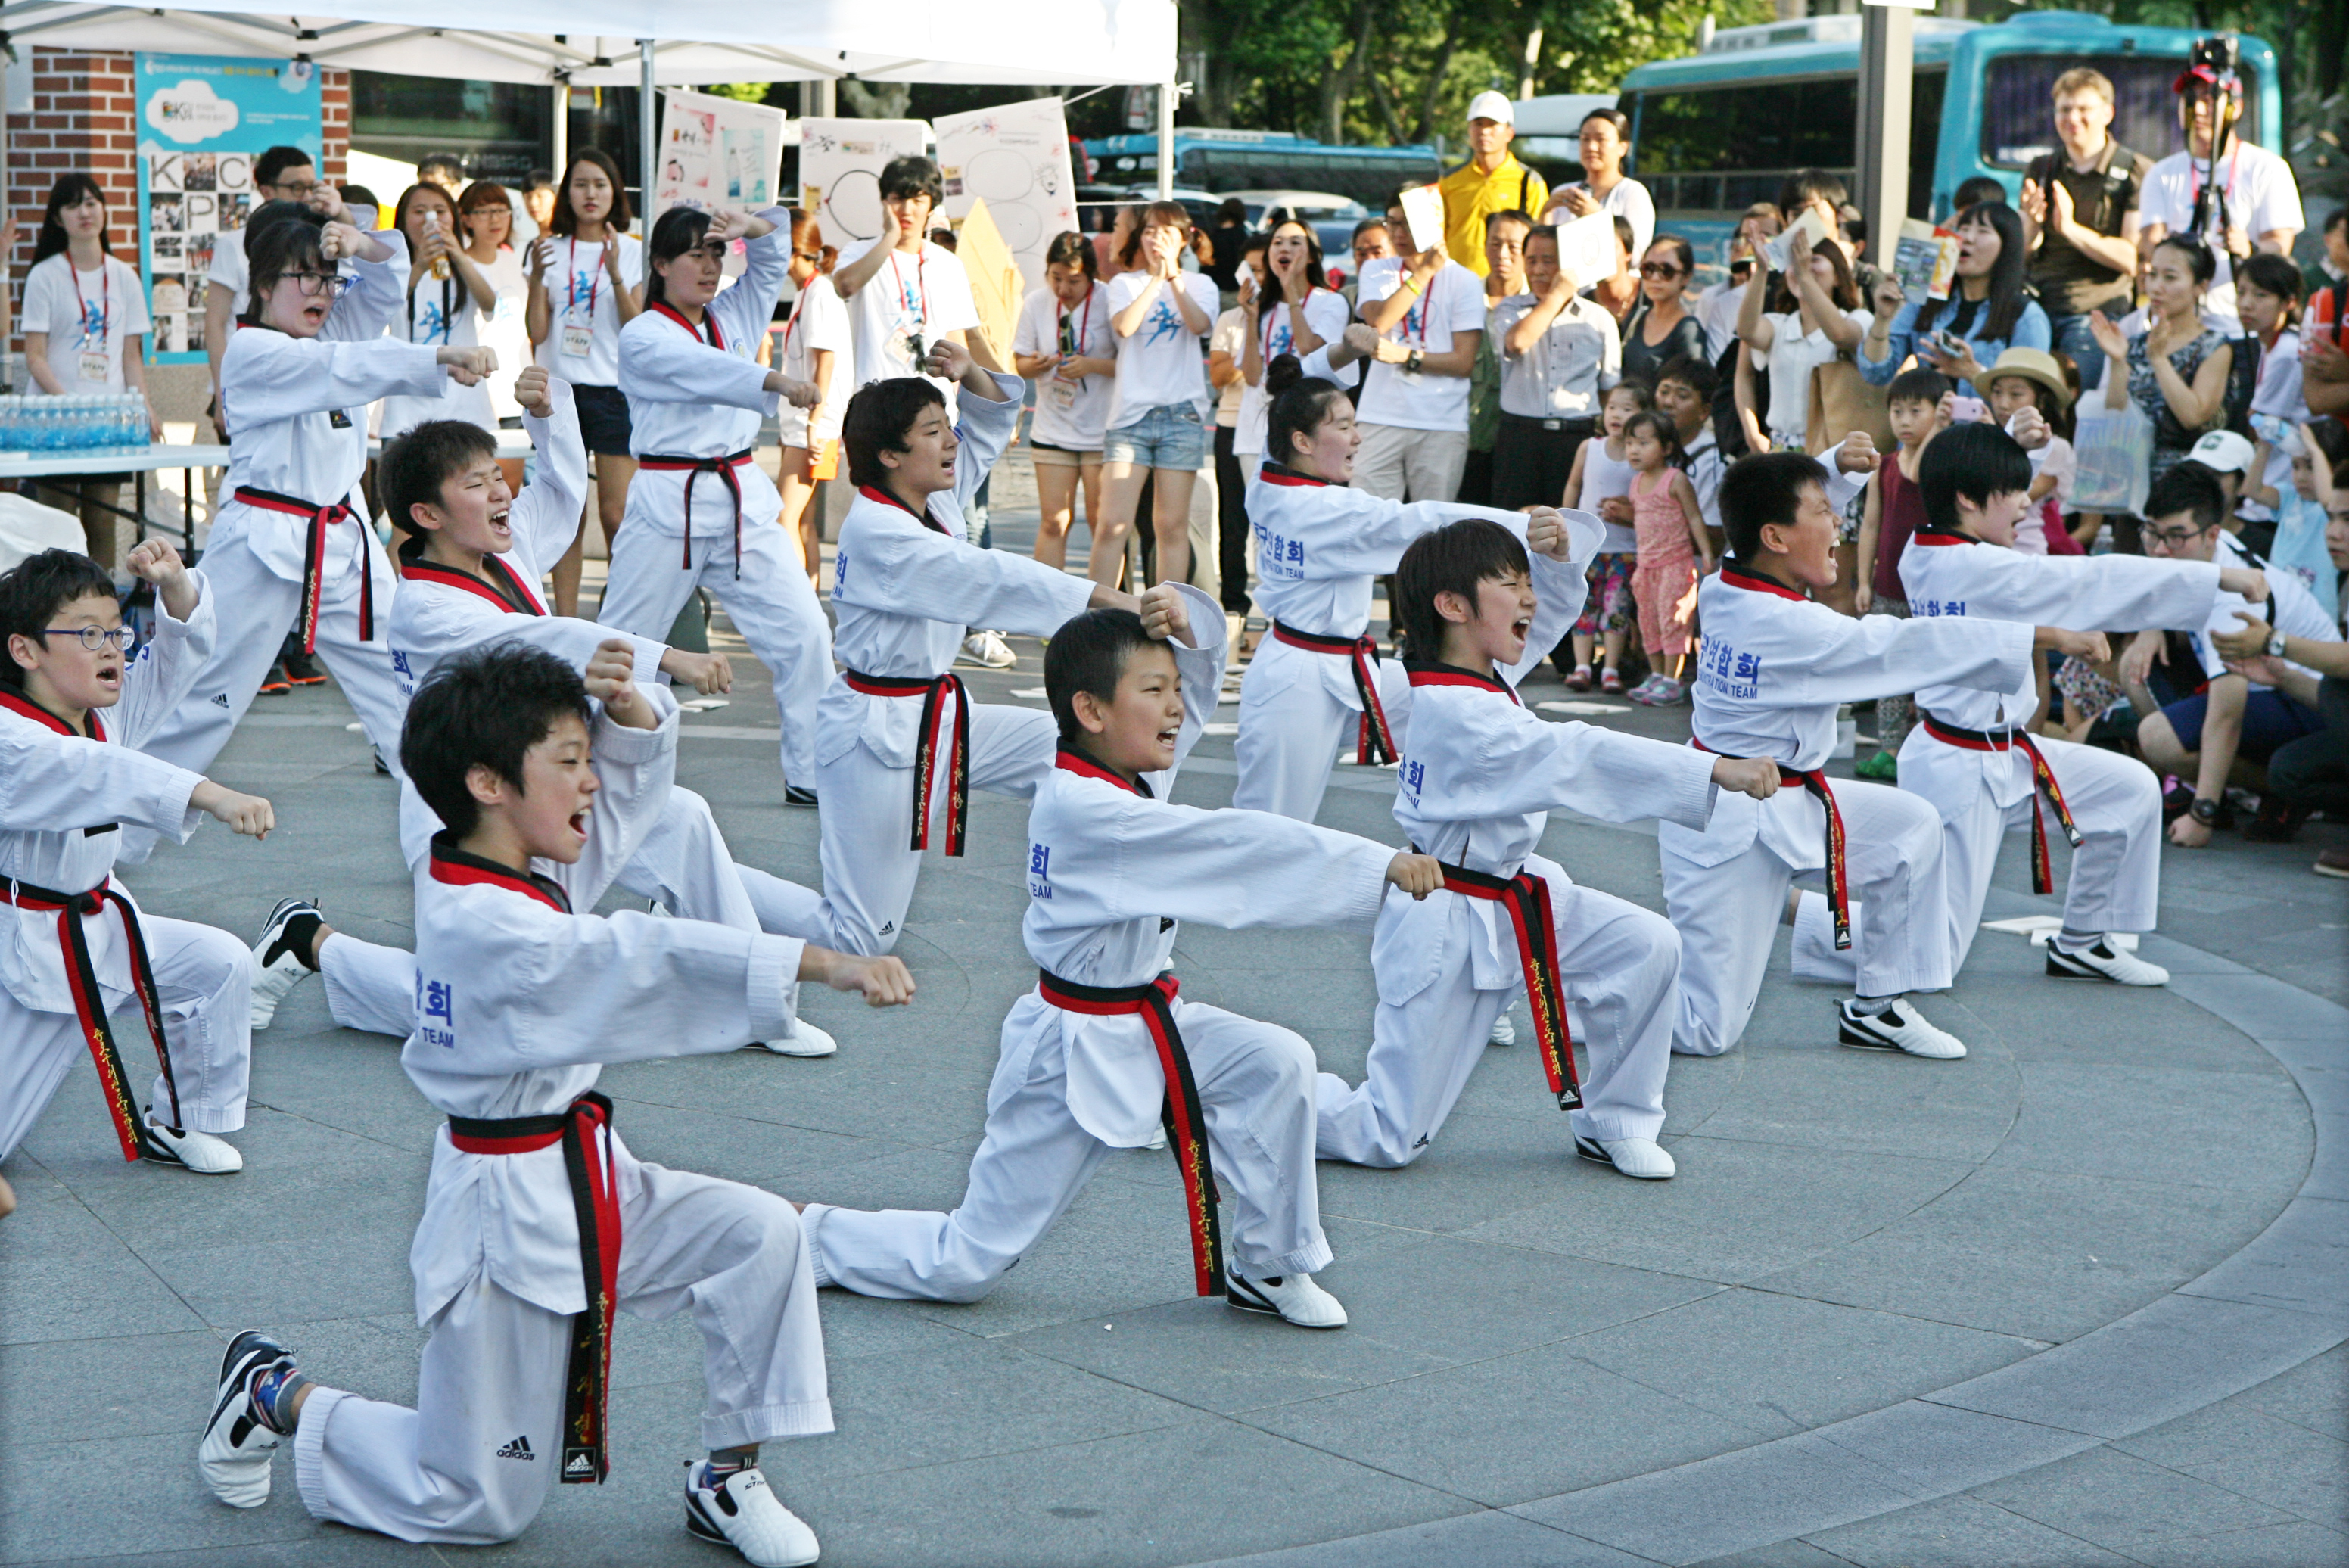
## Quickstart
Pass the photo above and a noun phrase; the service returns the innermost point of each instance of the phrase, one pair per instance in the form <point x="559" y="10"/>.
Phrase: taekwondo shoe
<point x="198" y="1152"/>
<point x="1504" y="1033"/>
<point x="234" y="1453"/>
<point x="1641" y="1157"/>
<point x="805" y="1041"/>
<point x="1898" y="1027"/>
<point x="1292" y="1297"/>
<point x="741" y="1511"/>
<point x="276" y="968"/>
<point x="2100" y="960"/>
<point x="988" y="650"/>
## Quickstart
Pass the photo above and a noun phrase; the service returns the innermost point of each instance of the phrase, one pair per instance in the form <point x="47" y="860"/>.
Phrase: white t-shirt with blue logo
<point x="1162" y="364"/>
<point x="100" y="320"/>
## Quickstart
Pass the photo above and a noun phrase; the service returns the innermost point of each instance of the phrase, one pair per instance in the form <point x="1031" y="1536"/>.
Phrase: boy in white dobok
<point x="1479" y="777"/>
<point x="1771" y="670"/>
<point x="1103" y="1050"/>
<point x="538" y="1222"/>
<point x="74" y="947"/>
<point x="470" y="572"/>
<point x="1972" y="753"/>
<point x="898" y="740"/>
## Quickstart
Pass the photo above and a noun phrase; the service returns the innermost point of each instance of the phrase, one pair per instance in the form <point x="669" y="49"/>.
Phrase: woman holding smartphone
<point x="1986" y="314"/>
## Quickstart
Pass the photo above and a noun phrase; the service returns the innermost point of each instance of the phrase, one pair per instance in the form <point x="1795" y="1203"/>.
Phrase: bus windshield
<point x="2017" y="125"/>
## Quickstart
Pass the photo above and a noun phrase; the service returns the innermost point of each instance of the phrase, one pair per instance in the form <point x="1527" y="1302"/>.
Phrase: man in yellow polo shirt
<point x="1490" y="182"/>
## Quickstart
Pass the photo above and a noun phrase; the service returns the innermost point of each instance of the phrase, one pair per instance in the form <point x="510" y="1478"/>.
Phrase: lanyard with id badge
<point x="908" y="338"/>
<point x="97" y="364"/>
<point x="1414" y="321"/>
<point x="579" y="327"/>
<point x="1060" y="386"/>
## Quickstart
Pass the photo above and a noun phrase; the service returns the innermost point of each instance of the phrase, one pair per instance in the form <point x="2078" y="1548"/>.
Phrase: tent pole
<point x="561" y="91"/>
<point x="1166" y="96"/>
<point x="647" y="131"/>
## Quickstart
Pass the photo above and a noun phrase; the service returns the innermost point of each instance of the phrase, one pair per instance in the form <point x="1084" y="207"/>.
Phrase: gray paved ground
<point x="1879" y="1299"/>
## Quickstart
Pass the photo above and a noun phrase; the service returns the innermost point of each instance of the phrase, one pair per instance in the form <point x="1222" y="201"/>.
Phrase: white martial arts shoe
<point x="276" y="969"/>
<point x="988" y="650"/>
<point x="1898" y="1027"/>
<point x="805" y="1041"/>
<point x="1641" y="1157"/>
<point x="1504" y="1033"/>
<point x="199" y="1151"/>
<point x="742" y="1511"/>
<point x="2102" y="961"/>
<point x="235" y="1451"/>
<point x="1294" y="1297"/>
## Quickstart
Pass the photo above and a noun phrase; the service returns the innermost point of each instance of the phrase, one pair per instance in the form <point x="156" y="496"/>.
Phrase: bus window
<point x="1735" y="127"/>
<point x="2018" y="106"/>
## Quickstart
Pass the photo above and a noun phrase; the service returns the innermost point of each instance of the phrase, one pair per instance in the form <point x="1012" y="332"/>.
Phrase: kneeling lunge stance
<point x="1479" y="777"/>
<point x="1773" y="668"/>
<point x="75" y="948"/>
<point x="1103" y="1050"/>
<point x="538" y="1222"/>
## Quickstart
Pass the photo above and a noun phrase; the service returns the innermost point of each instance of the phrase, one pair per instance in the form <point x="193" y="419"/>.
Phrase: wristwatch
<point x="2204" y="810"/>
<point x="2275" y="644"/>
<point x="1413" y="360"/>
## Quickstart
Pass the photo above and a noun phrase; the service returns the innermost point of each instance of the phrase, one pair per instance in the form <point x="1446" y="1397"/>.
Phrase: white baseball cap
<point x="1490" y="105"/>
<point x="2222" y="451"/>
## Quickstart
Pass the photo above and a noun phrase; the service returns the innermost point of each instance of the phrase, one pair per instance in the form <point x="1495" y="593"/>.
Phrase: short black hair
<point x="1978" y="191"/>
<point x="414" y="466"/>
<point x="1509" y="215"/>
<point x="486" y="707"/>
<point x="282" y="238"/>
<point x="1976" y="460"/>
<point x="1760" y="489"/>
<point x="1804" y="186"/>
<point x="678" y="230"/>
<point x="1692" y="373"/>
<point x="1367" y="224"/>
<point x="1089" y="654"/>
<point x="270" y="167"/>
<point x="34" y="590"/>
<point x="1919" y="384"/>
<point x="2188" y="488"/>
<point x="1452" y="559"/>
<point x="912" y="175"/>
<point x="878" y="419"/>
<point x="2272" y="273"/>
<point x="2337" y="219"/>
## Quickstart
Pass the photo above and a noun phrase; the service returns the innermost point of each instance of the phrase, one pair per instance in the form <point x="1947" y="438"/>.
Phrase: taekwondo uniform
<point x="1973" y="757"/>
<point x="700" y="512"/>
<point x="1318" y="681"/>
<point x="293" y="544"/>
<point x="1478" y="779"/>
<point x="75" y="948"/>
<point x="1087" y="1065"/>
<point x="537" y="1220"/>
<point x="898" y="741"/>
<point x="1771" y="670"/>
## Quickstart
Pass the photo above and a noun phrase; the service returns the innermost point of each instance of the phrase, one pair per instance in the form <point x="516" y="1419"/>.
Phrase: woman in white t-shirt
<point x="586" y="281"/>
<point x="1295" y="311"/>
<point x="1814" y="318"/>
<point x="485" y="214"/>
<point x="1064" y="346"/>
<point x="817" y="349"/>
<point x="1157" y="416"/>
<point x="1606" y="138"/>
<point x="449" y="298"/>
<point x="85" y="324"/>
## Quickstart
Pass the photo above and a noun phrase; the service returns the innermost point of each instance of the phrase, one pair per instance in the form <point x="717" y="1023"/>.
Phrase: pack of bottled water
<point x="94" y="423"/>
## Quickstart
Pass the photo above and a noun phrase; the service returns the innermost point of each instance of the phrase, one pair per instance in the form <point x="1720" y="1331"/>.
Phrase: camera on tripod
<point x="2213" y="73"/>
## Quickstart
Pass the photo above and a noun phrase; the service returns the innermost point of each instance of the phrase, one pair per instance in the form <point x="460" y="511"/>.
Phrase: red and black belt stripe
<point x="1527" y="898"/>
<point x="935" y="691"/>
<point x="2043" y="780"/>
<point x="89" y="1002"/>
<point x="693" y="469"/>
<point x="313" y="557"/>
<point x="596" y="1199"/>
<point x="1185" y="1120"/>
<point x="1838" y="884"/>
<point x="1373" y="742"/>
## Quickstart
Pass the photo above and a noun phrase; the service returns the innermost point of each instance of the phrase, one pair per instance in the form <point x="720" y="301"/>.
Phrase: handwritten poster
<point x="1015" y="160"/>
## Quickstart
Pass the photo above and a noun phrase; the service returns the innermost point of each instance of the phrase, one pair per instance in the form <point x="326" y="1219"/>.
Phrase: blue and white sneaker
<point x="238" y="1441"/>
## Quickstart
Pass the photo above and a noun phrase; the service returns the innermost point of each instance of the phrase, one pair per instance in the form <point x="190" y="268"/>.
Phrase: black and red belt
<point x="313" y="557"/>
<point x="596" y="1199"/>
<point x="693" y="469"/>
<point x="1185" y="1120"/>
<point x="89" y="1002"/>
<point x="1373" y="742"/>
<point x="1527" y="898"/>
<point x="934" y="691"/>
<point x="1838" y="888"/>
<point x="2043" y="781"/>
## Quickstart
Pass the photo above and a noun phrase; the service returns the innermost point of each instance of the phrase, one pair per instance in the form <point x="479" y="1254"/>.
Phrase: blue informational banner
<point x="202" y="121"/>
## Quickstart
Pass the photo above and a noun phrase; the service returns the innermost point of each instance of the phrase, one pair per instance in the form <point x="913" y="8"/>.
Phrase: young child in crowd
<point x="2034" y="378"/>
<point x="1684" y="389"/>
<point x="2267" y="302"/>
<point x="1673" y="551"/>
<point x="1601" y="483"/>
<point x="1892" y="513"/>
<point x="2304" y="503"/>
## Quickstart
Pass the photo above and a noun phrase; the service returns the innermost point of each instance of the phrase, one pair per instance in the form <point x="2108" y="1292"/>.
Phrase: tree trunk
<point x="1339" y="86"/>
<point x="1204" y="31"/>
<point x="1426" y="124"/>
<point x="1383" y="101"/>
<point x="875" y="100"/>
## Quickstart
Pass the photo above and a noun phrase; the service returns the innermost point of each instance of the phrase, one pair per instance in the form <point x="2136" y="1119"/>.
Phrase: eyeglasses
<point x="96" y="638"/>
<point x="320" y="285"/>
<point x="293" y="190"/>
<point x="1741" y="268"/>
<point x="2169" y="538"/>
<point x="1658" y="270"/>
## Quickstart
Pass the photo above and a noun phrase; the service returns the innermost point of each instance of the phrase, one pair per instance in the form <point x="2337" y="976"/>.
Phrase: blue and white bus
<point x="1221" y="160"/>
<point x="1716" y="132"/>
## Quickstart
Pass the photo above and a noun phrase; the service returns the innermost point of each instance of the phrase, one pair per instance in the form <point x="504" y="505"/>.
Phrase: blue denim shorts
<point x="1168" y="437"/>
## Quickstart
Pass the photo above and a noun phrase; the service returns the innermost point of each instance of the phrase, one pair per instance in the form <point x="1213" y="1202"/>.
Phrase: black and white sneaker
<point x="2102" y="961"/>
<point x="740" y="1510"/>
<point x="1294" y="1298"/>
<point x="1643" y="1158"/>
<point x="798" y="795"/>
<point x="1896" y="1026"/>
<point x="276" y="968"/>
<point x="235" y="1451"/>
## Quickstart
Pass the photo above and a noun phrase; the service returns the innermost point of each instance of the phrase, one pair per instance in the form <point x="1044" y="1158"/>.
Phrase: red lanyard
<point x="595" y="284"/>
<point x="1084" y="327"/>
<point x="1416" y="320"/>
<point x="921" y="286"/>
<point x="1295" y="312"/>
<point x="105" y="302"/>
<point x="2194" y="172"/>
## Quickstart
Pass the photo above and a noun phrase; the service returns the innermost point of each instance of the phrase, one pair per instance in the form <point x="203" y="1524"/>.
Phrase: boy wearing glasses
<point x="75" y="707"/>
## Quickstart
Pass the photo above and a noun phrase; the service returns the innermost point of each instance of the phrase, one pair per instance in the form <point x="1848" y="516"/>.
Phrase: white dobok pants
<point x="1291" y="727"/>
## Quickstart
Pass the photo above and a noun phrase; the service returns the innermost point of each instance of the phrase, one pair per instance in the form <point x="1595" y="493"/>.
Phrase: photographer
<point x="2235" y="193"/>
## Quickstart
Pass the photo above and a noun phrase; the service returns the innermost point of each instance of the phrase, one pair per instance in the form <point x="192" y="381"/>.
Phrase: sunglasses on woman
<point x="1659" y="270"/>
